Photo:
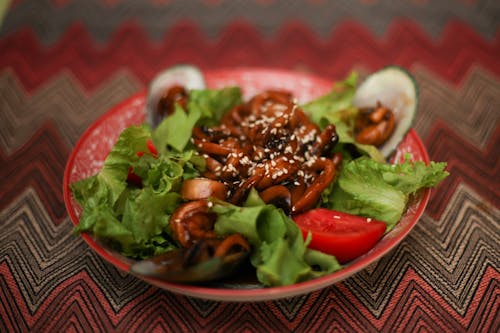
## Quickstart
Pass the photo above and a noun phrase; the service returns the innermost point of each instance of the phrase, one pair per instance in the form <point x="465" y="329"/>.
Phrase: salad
<point x="298" y="190"/>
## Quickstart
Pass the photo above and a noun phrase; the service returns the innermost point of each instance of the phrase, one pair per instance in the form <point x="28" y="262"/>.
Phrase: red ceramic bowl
<point x="92" y="148"/>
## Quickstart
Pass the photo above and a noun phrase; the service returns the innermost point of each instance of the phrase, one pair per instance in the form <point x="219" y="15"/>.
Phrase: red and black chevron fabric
<point x="63" y="63"/>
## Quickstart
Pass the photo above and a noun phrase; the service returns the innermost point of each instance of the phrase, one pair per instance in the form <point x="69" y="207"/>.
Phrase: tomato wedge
<point x="340" y="234"/>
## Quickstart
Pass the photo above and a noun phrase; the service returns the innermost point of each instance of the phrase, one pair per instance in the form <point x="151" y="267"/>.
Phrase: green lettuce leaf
<point x="279" y="253"/>
<point x="174" y="131"/>
<point x="205" y="107"/>
<point x="102" y="220"/>
<point x="379" y="190"/>
<point x="134" y="220"/>
<point x="336" y="107"/>
<point x="116" y="165"/>
<point x="323" y="109"/>
<point x="213" y="103"/>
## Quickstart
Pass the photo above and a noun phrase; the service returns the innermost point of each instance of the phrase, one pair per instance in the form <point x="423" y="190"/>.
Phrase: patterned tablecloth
<point x="63" y="63"/>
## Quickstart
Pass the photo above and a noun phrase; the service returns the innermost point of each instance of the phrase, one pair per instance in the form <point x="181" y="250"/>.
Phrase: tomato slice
<point x="343" y="235"/>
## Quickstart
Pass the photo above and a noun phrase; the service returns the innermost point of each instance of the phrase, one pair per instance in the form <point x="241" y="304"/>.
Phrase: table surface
<point x="63" y="63"/>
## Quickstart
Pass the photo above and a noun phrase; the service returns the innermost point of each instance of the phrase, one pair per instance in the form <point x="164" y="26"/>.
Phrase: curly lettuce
<point x="133" y="219"/>
<point x="379" y="190"/>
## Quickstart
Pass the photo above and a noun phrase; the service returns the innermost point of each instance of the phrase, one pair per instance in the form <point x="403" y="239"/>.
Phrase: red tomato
<point x="151" y="147"/>
<point x="340" y="234"/>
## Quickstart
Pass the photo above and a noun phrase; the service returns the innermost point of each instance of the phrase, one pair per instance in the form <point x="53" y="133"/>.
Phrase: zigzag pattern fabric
<point x="65" y="63"/>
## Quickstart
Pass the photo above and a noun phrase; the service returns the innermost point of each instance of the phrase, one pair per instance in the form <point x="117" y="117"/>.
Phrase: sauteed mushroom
<point x="374" y="126"/>
<point x="279" y="196"/>
<point x="202" y="188"/>
<point x="266" y="143"/>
